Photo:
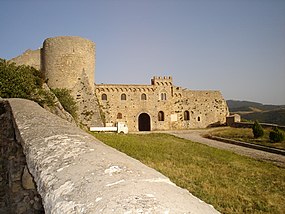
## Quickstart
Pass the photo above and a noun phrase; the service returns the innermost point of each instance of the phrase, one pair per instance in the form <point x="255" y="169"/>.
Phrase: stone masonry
<point x="29" y="57"/>
<point x="18" y="192"/>
<point x="160" y="106"/>
<point x="69" y="62"/>
<point x="76" y="173"/>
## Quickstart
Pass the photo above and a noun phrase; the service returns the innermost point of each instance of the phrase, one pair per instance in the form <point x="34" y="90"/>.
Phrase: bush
<point x="44" y="97"/>
<point x="276" y="135"/>
<point x="19" y="81"/>
<point x="257" y="130"/>
<point x="66" y="100"/>
<point x="23" y="82"/>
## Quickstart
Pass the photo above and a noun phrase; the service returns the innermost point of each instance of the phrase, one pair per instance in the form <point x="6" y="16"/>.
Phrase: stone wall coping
<point x="123" y="85"/>
<point x="76" y="173"/>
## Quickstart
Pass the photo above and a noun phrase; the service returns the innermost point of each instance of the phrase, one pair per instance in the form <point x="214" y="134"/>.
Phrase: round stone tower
<point x="65" y="60"/>
<point x="69" y="62"/>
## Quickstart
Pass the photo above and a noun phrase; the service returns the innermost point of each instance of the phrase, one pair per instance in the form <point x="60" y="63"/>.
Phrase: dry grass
<point x="246" y="135"/>
<point x="230" y="182"/>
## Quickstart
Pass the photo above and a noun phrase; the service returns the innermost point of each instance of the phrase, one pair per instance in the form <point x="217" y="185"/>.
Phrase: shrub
<point x="44" y="97"/>
<point x="257" y="130"/>
<point x="19" y="81"/>
<point x="23" y="82"/>
<point x="276" y="135"/>
<point x="66" y="100"/>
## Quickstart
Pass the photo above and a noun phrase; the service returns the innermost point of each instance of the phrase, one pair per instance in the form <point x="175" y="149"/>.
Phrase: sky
<point x="235" y="46"/>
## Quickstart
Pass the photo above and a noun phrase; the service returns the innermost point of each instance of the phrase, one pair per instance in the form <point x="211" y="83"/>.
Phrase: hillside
<point x="236" y="106"/>
<point x="257" y="111"/>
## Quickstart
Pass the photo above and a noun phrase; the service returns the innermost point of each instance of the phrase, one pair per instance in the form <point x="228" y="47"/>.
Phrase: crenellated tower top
<point x="165" y="80"/>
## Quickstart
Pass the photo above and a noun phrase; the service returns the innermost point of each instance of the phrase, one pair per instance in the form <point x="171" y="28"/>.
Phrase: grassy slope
<point x="232" y="183"/>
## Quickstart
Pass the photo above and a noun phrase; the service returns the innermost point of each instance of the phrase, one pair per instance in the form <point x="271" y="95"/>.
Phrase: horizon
<point x="236" y="47"/>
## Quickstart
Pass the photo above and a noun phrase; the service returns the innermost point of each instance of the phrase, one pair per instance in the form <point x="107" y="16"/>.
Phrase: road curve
<point x="196" y="136"/>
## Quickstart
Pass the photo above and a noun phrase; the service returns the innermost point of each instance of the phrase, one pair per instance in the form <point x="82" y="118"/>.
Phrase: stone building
<point x="160" y="106"/>
<point x="69" y="62"/>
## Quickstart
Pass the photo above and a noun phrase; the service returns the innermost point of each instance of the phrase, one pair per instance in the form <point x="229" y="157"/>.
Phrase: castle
<point x="69" y="62"/>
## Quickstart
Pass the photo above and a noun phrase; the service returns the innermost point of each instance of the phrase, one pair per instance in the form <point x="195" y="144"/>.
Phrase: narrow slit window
<point x="186" y="115"/>
<point x="143" y="97"/>
<point x="163" y="96"/>
<point x="119" y="116"/>
<point x="160" y="116"/>
<point x="104" y="97"/>
<point x="123" y="97"/>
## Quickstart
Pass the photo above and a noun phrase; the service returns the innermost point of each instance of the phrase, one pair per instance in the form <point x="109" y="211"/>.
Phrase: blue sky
<point x="235" y="46"/>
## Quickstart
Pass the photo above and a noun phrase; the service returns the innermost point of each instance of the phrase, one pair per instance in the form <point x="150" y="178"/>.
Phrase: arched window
<point x="186" y="115"/>
<point x="104" y="97"/>
<point x="119" y="116"/>
<point x="163" y="96"/>
<point x="123" y="97"/>
<point x="143" y="97"/>
<point x="160" y="116"/>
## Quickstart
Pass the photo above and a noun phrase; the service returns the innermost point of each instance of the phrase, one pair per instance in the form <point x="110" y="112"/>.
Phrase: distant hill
<point x="257" y="111"/>
<point x="236" y="105"/>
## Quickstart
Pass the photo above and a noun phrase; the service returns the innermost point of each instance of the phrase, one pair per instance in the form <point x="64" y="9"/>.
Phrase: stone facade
<point x="69" y="62"/>
<point x="160" y="106"/>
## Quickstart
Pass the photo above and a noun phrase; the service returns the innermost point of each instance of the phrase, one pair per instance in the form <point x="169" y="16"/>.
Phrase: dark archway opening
<point x="144" y="122"/>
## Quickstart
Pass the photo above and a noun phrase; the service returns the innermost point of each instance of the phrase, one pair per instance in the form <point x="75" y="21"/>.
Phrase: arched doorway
<point x="144" y="122"/>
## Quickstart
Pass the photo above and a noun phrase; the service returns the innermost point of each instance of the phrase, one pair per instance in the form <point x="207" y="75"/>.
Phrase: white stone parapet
<point x="76" y="173"/>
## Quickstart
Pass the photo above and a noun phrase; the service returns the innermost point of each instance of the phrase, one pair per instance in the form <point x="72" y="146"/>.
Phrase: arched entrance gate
<point x="144" y="122"/>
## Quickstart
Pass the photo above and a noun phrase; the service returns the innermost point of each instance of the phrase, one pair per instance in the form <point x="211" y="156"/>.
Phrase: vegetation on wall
<point x="18" y="81"/>
<point x="23" y="82"/>
<point x="26" y="82"/>
<point x="66" y="100"/>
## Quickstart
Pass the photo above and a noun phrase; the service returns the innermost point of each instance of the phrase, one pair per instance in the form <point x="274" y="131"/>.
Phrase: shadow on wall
<point x="18" y="192"/>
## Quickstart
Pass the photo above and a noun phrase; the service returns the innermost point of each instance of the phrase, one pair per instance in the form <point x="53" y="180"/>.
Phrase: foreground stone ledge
<point x="76" y="173"/>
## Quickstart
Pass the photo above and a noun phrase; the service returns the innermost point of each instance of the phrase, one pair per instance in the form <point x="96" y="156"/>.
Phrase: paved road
<point x="195" y="135"/>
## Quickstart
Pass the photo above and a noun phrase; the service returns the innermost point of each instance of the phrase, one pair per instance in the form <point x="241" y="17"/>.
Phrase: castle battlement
<point x="161" y="80"/>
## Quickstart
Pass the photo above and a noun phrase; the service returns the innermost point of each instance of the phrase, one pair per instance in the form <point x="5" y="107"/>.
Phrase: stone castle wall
<point x="168" y="106"/>
<point x="76" y="173"/>
<point x="18" y="192"/>
<point x="29" y="57"/>
<point x="69" y="62"/>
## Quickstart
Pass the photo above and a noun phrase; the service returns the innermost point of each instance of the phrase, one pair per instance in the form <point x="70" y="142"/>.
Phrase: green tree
<point x="276" y="135"/>
<point x="257" y="130"/>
